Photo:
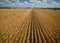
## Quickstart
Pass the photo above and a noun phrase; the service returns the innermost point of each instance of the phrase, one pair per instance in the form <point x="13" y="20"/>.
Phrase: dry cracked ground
<point x="29" y="26"/>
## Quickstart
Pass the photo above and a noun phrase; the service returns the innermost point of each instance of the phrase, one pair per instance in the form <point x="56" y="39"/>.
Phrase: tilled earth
<point x="29" y="26"/>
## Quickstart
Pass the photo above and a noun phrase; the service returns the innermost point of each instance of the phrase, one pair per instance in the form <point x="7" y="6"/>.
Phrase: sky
<point x="30" y="3"/>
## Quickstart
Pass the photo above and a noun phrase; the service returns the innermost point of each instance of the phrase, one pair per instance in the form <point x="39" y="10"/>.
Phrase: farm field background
<point x="29" y="26"/>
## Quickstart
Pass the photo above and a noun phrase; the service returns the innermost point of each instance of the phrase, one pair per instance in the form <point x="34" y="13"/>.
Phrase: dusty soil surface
<point x="29" y="26"/>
